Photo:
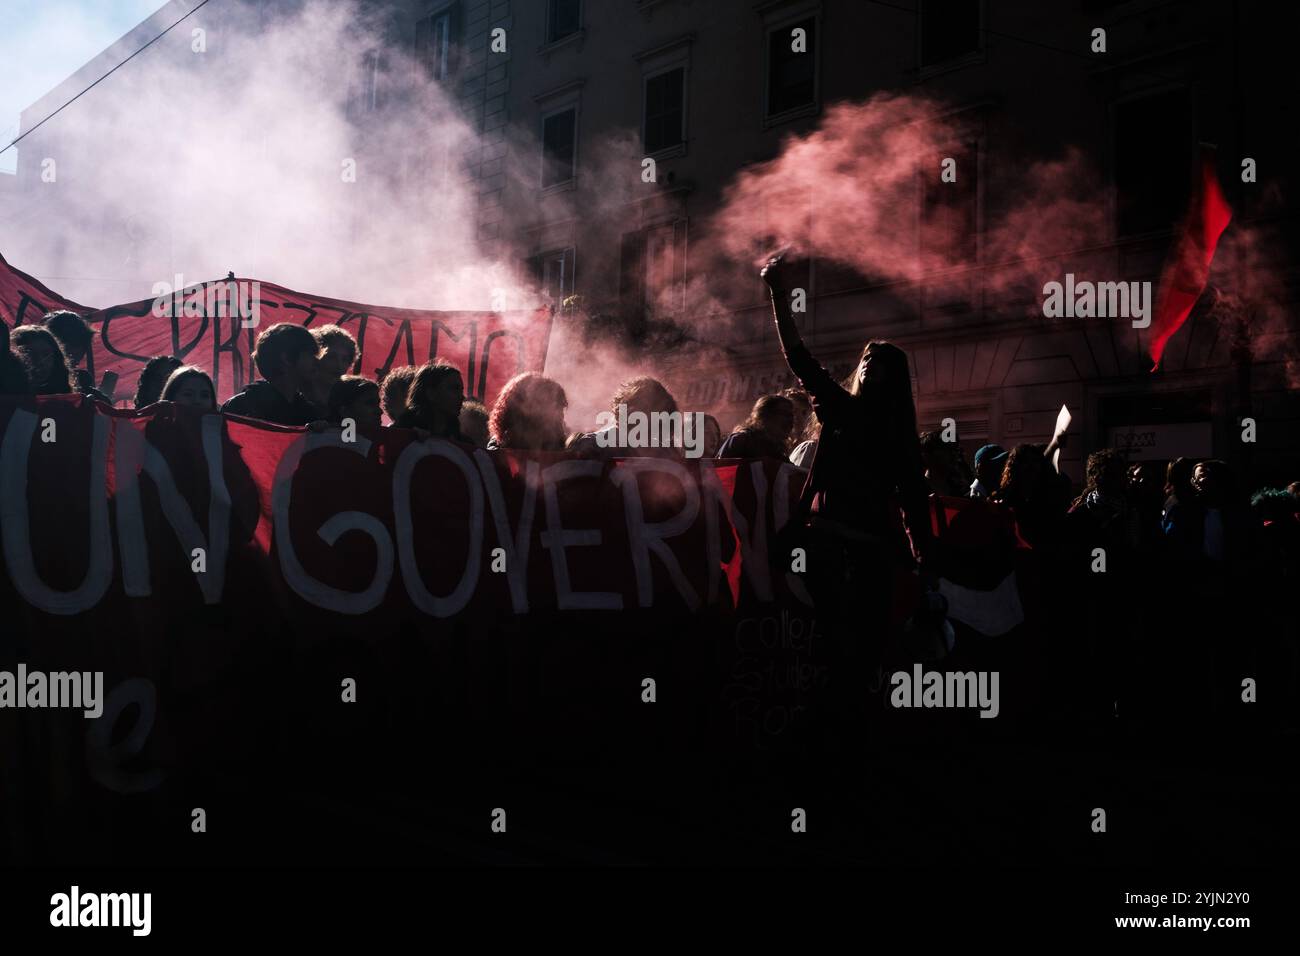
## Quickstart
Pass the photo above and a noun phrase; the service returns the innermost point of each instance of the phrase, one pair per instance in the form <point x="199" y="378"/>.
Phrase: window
<point x="1154" y="150"/>
<point x="664" y="110"/>
<point x="554" y="273"/>
<point x="435" y="42"/>
<point x="792" y="67"/>
<point x="950" y="29"/>
<point x="559" y="147"/>
<point x="563" y="18"/>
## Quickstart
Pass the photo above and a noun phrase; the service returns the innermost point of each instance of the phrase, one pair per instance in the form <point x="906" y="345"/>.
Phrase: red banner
<point x="24" y="300"/>
<point x="226" y="585"/>
<point x="102" y="507"/>
<point x="215" y="325"/>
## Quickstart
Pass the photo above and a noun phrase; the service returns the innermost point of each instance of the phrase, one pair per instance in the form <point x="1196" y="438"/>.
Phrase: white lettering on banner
<point x="420" y="595"/>
<point x="134" y="456"/>
<point x="14" y="453"/>
<point x="646" y="537"/>
<point x="307" y="587"/>
<point x="516" y="546"/>
<point x="131" y="454"/>
<point x="555" y="539"/>
<point x="105" y="759"/>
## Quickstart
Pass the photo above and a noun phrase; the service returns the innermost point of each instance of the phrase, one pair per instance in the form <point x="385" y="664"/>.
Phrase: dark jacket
<point x="261" y="400"/>
<point x="750" y="444"/>
<point x="411" y="419"/>
<point x="857" y="476"/>
<point x="1183" y="523"/>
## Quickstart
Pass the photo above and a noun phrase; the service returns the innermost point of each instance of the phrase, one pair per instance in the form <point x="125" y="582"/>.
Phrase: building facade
<point x="709" y="88"/>
<point x="568" y="99"/>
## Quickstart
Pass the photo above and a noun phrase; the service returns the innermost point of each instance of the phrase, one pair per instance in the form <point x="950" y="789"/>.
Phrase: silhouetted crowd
<point x="1193" y="593"/>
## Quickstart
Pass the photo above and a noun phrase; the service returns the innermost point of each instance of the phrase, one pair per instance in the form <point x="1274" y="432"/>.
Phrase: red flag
<point x="1184" y="275"/>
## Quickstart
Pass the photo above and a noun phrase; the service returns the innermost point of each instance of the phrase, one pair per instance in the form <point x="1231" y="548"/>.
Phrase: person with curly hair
<point x="529" y="414"/>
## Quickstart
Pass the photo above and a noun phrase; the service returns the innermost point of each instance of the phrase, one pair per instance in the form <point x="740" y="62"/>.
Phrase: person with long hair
<point x="866" y="470"/>
<point x="154" y="375"/>
<point x="529" y="414"/>
<point x="189" y="385"/>
<point x="434" y="400"/>
<point x="47" y="365"/>
<point x="1103" y="507"/>
<point x="75" y="337"/>
<point x="13" y="368"/>
<point x="1032" y="490"/>
<point x="393" y="389"/>
<point x="765" y="433"/>
<point x="633" y="398"/>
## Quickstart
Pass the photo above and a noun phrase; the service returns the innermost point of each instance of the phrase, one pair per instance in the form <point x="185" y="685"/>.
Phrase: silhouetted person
<point x="154" y="375"/>
<point x="529" y="414"/>
<point x="868" y="462"/>
<point x="1030" y="487"/>
<point x="1183" y="517"/>
<point x="434" y="400"/>
<point x="393" y="389"/>
<point x="802" y="415"/>
<point x="286" y="357"/>
<point x="337" y="357"/>
<point x="13" y="369"/>
<point x="638" y="396"/>
<point x="356" y="398"/>
<point x="75" y="337"/>
<point x="474" y="424"/>
<point x="47" y="366"/>
<point x="191" y="386"/>
<point x="765" y="433"/>
<point x="945" y="466"/>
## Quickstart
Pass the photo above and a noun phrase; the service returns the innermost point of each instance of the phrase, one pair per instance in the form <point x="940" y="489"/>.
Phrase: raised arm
<point x="777" y="276"/>
<point x="826" y="393"/>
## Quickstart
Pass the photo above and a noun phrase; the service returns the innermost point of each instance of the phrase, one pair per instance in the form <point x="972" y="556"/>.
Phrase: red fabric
<point x="24" y="300"/>
<point x="1184" y="276"/>
<point x="357" y="485"/>
<point x="488" y="347"/>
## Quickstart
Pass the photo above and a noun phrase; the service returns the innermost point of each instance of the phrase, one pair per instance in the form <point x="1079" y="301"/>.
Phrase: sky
<point x="43" y="42"/>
